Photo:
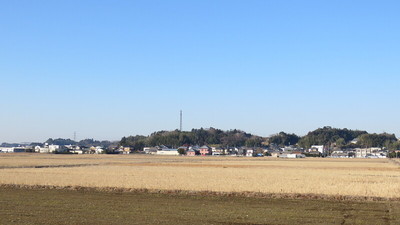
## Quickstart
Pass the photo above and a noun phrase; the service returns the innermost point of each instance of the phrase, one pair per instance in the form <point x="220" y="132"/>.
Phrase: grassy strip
<point x="202" y="193"/>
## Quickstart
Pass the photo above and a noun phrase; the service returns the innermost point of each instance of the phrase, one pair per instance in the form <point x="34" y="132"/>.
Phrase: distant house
<point x="291" y="155"/>
<point x="249" y="152"/>
<point x="12" y="149"/>
<point x="44" y="149"/>
<point x="167" y="151"/>
<point x="19" y="149"/>
<point x="288" y="155"/>
<point x="53" y="148"/>
<point x="314" y="153"/>
<point x="191" y="152"/>
<point x="275" y="154"/>
<point x="95" y="150"/>
<point x="195" y="148"/>
<point x="150" y="150"/>
<point x="363" y="152"/>
<point x="76" y="151"/>
<point x="318" y="148"/>
<point x="232" y="151"/>
<point x="217" y="151"/>
<point x="124" y="150"/>
<point x="370" y="153"/>
<point x="354" y="141"/>
<point x="185" y="148"/>
<point x="162" y="147"/>
<point x="205" y="150"/>
<point x="241" y="151"/>
<point x="6" y="149"/>
<point x="291" y="149"/>
<point x="339" y="154"/>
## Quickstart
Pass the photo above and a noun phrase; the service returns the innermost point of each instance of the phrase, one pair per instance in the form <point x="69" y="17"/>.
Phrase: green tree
<point x="283" y="139"/>
<point x="378" y="140"/>
<point x="328" y="136"/>
<point x="340" y="142"/>
<point x="253" y="142"/>
<point x="181" y="151"/>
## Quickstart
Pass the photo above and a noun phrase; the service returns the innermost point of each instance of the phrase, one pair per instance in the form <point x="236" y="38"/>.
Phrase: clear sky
<point x="108" y="69"/>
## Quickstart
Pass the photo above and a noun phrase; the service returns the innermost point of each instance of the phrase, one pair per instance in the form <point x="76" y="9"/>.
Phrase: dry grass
<point x="332" y="177"/>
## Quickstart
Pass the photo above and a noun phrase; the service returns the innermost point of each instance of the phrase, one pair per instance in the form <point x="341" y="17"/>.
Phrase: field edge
<point x="247" y="194"/>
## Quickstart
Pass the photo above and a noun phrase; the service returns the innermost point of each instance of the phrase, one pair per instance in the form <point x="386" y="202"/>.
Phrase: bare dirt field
<point x="359" y="178"/>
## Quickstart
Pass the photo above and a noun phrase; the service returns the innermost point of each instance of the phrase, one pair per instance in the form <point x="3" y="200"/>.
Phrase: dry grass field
<point x="311" y="176"/>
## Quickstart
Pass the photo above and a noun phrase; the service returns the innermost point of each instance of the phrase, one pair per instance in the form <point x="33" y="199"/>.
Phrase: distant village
<point x="272" y="150"/>
<point x="322" y="142"/>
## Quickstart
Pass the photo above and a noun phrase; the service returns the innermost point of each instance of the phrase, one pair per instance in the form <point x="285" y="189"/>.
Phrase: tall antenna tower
<point x="75" y="136"/>
<point x="180" y="127"/>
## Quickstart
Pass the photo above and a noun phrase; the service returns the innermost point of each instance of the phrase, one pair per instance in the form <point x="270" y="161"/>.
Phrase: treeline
<point x="330" y="136"/>
<point x="9" y="145"/>
<point x="379" y="140"/>
<point x="342" y="138"/>
<point x="283" y="139"/>
<point x="200" y="136"/>
<point x="327" y="136"/>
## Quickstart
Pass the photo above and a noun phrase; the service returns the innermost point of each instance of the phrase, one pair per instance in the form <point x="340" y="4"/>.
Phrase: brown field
<point x="63" y="206"/>
<point x="369" y="178"/>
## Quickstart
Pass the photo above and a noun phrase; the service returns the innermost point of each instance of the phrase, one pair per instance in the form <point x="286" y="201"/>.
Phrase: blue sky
<point x="108" y="69"/>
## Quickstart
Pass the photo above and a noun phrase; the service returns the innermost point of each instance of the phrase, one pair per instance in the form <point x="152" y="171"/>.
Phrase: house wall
<point x="6" y="150"/>
<point x="168" y="152"/>
<point x="362" y="152"/>
<point x="191" y="153"/>
<point x="205" y="151"/>
<point x="319" y="147"/>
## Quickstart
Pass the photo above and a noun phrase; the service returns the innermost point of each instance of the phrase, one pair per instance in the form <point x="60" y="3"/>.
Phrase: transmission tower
<point x="180" y="125"/>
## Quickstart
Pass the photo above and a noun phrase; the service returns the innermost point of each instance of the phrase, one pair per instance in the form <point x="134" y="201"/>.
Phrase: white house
<point x="76" y="151"/>
<point x="319" y="148"/>
<point x="354" y="141"/>
<point x="291" y="155"/>
<point x="47" y="148"/>
<point x="6" y="149"/>
<point x="124" y="150"/>
<point x="370" y="153"/>
<point x="53" y="148"/>
<point x="42" y="149"/>
<point x="217" y="151"/>
<point x="249" y="152"/>
<point x="150" y="150"/>
<point x="98" y="150"/>
<point x="165" y="151"/>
